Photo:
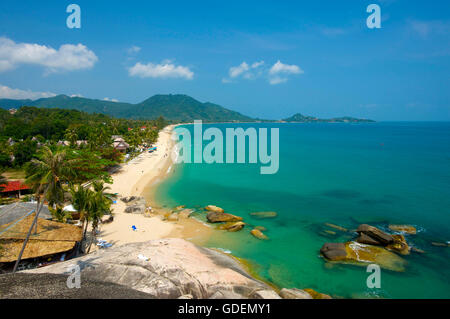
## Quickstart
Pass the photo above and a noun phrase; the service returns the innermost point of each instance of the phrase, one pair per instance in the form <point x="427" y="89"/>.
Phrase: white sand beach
<point x="135" y="177"/>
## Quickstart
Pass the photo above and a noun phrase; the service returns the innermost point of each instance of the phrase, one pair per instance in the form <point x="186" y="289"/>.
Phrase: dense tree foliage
<point x="86" y="138"/>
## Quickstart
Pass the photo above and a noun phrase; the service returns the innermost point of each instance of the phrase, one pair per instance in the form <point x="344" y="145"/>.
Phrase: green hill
<point x="176" y="107"/>
<point x="300" y="118"/>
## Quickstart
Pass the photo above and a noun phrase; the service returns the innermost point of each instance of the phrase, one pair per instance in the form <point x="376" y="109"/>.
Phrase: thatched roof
<point x="51" y="238"/>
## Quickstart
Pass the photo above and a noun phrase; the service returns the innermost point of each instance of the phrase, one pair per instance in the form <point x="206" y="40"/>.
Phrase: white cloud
<point x="277" y="80"/>
<point x="235" y="71"/>
<point x="276" y="74"/>
<point x="134" y="49"/>
<point x="284" y="68"/>
<point x="244" y="70"/>
<point x="68" y="57"/>
<point x="76" y="95"/>
<point x="280" y="68"/>
<point x="110" y="100"/>
<point x="166" y="69"/>
<point x="9" y="93"/>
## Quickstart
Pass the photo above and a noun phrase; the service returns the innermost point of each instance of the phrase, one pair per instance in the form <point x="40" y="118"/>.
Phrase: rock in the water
<point x="316" y="295"/>
<point x="364" y="239"/>
<point x="362" y="254"/>
<point x="185" y="213"/>
<point x="407" y="229"/>
<point x="399" y="245"/>
<point x="261" y="228"/>
<point x="258" y="234"/>
<point x="213" y="208"/>
<point x="437" y="244"/>
<point x="265" y="294"/>
<point x="176" y="268"/>
<point x="417" y="250"/>
<point x="232" y="226"/>
<point x="375" y="233"/>
<point x="336" y="227"/>
<point x="216" y="217"/>
<point x="294" y="293"/>
<point x="264" y="214"/>
<point x="179" y="207"/>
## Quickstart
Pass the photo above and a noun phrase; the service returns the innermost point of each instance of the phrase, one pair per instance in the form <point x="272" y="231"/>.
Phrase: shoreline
<point x="140" y="177"/>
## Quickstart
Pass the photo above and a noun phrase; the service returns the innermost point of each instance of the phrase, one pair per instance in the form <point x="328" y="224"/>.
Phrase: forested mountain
<point x="176" y="107"/>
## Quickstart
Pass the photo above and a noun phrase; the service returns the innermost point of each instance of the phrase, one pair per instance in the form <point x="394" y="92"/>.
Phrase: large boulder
<point x="232" y="226"/>
<point x="361" y="254"/>
<point x="258" y="234"/>
<point x="380" y="236"/>
<point x="135" y="209"/>
<point x="264" y="214"/>
<point x="213" y="208"/>
<point x="399" y="245"/>
<point x="407" y="229"/>
<point x="217" y="217"/>
<point x="174" y="268"/>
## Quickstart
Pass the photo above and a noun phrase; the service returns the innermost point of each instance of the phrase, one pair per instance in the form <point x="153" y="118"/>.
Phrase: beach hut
<point x="72" y="210"/>
<point x="51" y="238"/>
<point x="121" y="146"/>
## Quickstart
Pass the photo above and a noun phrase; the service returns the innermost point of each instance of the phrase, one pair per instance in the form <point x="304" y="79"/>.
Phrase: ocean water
<point x="345" y="174"/>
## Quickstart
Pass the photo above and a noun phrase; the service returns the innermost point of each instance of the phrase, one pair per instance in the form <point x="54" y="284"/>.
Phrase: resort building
<point x="52" y="242"/>
<point x="14" y="189"/>
<point x="120" y="144"/>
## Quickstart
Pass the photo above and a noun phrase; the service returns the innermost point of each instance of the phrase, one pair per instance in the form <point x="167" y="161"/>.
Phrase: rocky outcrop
<point x="362" y="254"/>
<point x="399" y="245"/>
<point x="213" y="208"/>
<point x="376" y="234"/>
<point x="294" y="293"/>
<point x="232" y="226"/>
<point x="316" y="295"/>
<point x="264" y="214"/>
<point x="407" y="229"/>
<point x="258" y="234"/>
<point x="217" y="217"/>
<point x="135" y="204"/>
<point x="175" y="268"/>
<point x="342" y="229"/>
<point x="185" y="213"/>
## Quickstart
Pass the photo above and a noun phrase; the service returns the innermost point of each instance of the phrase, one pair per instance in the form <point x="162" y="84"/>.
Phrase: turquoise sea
<point x="345" y="174"/>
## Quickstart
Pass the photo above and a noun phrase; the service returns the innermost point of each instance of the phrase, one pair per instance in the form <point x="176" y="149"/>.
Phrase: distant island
<point x="173" y="107"/>
<point x="300" y="118"/>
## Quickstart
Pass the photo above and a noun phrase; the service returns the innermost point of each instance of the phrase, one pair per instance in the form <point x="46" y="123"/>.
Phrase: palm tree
<point x="80" y="201"/>
<point x="71" y="136"/>
<point x="46" y="173"/>
<point x="99" y="205"/>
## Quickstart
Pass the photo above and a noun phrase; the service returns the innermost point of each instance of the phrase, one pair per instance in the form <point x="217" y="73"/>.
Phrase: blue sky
<point x="319" y="58"/>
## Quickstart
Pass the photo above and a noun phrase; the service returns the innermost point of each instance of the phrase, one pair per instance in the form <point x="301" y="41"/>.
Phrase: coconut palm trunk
<point x="35" y="220"/>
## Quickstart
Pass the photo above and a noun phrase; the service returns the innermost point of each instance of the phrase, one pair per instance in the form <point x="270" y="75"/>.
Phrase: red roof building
<point x="13" y="186"/>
